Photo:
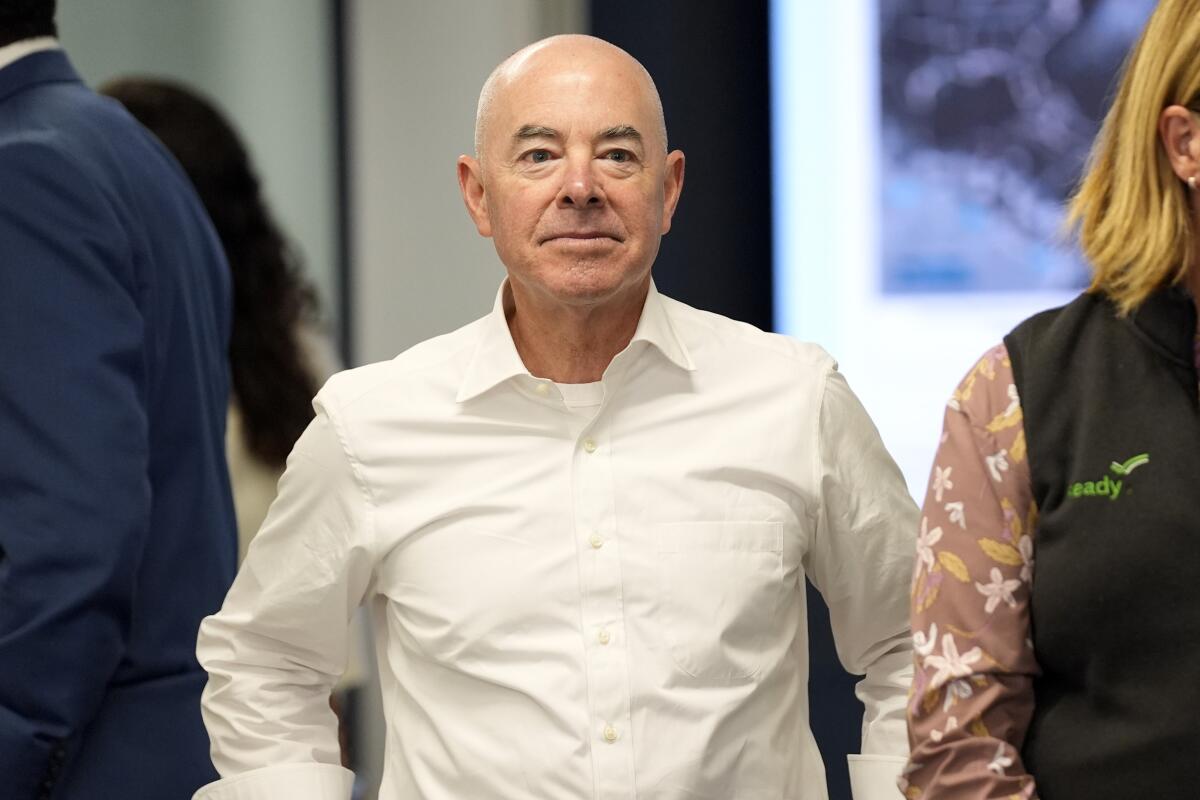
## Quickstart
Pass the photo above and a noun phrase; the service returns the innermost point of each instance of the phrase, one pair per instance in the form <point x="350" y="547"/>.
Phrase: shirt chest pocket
<point x="721" y="595"/>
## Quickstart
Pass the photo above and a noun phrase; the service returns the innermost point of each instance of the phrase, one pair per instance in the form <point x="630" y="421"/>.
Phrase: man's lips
<point x="582" y="236"/>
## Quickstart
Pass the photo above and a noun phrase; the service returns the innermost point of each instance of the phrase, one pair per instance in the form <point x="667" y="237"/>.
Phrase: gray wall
<point x="267" y="63"/>
<point x="415" y="69"/>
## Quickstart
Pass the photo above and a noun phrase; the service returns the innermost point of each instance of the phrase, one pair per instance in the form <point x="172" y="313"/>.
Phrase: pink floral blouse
<point x="972" y="695"/>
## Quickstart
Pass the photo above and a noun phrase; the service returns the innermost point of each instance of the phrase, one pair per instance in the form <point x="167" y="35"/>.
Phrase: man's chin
<point x="583" y="294"/>
<point x="586" y="287"/>
<point x="600" y="292"/>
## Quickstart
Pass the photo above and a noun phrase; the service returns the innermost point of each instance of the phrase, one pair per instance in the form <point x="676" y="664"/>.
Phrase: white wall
<point x="416" y="67"/>
<point x="267" y="63"/>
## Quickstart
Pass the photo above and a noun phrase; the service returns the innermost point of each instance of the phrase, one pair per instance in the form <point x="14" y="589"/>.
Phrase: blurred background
<point x="884" y="177"/>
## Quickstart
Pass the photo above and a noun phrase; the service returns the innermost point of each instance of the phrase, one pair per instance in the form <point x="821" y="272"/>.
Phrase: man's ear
<point x="672" y="187"/>
<point x="470" y="183"/>
<point x="1180" y="135"/>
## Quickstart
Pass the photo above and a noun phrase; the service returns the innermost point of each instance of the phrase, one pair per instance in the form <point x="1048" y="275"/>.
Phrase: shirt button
<point x="589" y="445"/>
<point x="596" y="541"/>
<point x="610" y="733"/>
<point x="604" y="637"/>
<point x="542" y="388"/>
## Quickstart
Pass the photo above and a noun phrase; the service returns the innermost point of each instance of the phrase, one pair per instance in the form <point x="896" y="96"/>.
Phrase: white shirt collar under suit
<point x="11" y="53"/>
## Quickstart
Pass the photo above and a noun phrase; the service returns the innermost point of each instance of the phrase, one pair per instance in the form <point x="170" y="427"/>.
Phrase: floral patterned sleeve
<point x="972" y="695"/>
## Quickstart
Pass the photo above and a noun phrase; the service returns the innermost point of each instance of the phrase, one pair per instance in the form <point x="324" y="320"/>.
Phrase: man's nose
<point x="580" y="188"/>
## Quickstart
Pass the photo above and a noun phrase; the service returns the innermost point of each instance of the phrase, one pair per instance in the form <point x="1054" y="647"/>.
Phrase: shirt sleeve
<point x="861" y="562"/>
<point x="74" y="444"/>
<point x="973" y="690"/>
<point x="279" y="643"/>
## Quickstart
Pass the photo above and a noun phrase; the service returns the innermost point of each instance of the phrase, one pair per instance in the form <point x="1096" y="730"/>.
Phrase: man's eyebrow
<point x="543" y="132"/>
<point x="535" y="132"/>
<point x="621" y="132"/>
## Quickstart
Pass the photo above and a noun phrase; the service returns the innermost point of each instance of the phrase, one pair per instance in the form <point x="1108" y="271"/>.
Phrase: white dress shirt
<point x="589" y="591"/>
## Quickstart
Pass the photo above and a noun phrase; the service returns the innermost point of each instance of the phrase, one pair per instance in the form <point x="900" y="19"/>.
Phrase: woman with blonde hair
<point x="1056" y="600"/>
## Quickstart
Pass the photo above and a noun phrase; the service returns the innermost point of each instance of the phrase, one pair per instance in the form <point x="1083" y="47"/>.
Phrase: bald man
<point x="582" y="522"/>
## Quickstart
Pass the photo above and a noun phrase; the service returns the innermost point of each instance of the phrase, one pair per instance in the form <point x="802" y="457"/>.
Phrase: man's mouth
<point x="582" y="236"/>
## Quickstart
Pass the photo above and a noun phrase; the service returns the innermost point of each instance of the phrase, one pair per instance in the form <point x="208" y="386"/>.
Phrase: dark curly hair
<point x="272" y="380"/>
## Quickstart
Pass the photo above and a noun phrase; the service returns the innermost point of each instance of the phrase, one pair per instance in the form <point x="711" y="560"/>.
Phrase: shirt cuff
<point x="293" y="781"/>
<point x="874" y="777"/>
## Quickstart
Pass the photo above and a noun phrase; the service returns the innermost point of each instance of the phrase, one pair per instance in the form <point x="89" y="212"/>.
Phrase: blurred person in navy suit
<point x="278" y="354"/>
<point x="116" y="525"/>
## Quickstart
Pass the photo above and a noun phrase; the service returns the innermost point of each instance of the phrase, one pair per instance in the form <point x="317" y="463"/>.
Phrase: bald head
<point x="565" y="57"/>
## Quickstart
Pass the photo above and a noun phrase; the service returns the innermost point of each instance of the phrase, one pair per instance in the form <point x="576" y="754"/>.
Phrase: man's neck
<point x="18" y="50"/>
<point x="573" y="344"/>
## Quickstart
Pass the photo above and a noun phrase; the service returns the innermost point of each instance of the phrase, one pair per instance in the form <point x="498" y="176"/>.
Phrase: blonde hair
<point x="1132" y="213"/>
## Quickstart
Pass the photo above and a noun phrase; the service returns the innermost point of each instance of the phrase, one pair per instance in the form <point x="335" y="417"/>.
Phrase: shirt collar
<point x="655" y="329"/>
<point x="18" y="50"/>
<point x="496" y="359"/>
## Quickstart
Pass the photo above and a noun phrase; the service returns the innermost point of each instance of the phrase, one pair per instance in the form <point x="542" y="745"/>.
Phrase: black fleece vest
<point x="1113" y="434"/>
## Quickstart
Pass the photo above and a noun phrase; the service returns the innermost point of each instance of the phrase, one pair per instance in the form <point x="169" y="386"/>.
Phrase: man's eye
<point x="539" y="156"/>
<point x="620" y="156"/>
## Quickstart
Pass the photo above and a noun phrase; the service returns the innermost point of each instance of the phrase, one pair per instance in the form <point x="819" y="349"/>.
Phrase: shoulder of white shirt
<point x="694" y="326"/>
<point x="433" y="354"/>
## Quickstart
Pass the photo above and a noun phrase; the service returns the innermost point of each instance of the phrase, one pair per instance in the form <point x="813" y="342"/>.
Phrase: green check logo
<point x="1106" y="486"/>
<point x="1129" y="465"/>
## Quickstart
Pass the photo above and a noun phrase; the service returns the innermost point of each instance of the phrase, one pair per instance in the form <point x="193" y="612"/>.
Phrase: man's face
<point x="573" y="183"/>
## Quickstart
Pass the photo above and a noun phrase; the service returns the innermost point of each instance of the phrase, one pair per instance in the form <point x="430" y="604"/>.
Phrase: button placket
<point x="602" y="607"/>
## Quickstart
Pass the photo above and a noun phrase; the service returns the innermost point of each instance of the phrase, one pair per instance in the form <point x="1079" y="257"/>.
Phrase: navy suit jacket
<point x="117" y="533"/>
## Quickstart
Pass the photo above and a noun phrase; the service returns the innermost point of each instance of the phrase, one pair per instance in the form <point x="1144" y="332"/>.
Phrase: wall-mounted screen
<point x="922" y="152"/>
